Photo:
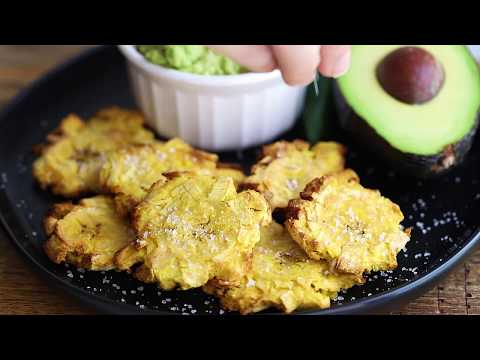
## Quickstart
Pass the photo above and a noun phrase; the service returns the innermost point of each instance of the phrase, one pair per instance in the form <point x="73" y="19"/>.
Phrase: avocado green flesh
<point x="195" y="59"/>
<point x="418" y="129"/>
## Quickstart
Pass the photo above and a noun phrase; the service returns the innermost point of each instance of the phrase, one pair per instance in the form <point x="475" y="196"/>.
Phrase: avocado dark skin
<point x="419" y="166"/>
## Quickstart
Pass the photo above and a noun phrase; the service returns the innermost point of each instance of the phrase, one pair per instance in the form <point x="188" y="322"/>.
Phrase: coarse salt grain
<point x="292" y="184"/>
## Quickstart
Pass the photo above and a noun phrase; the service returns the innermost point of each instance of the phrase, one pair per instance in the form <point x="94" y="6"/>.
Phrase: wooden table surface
<point x="22" y="291"/>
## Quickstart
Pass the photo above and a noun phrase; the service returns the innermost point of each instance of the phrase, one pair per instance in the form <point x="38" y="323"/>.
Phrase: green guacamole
<point x="196" y="59"/>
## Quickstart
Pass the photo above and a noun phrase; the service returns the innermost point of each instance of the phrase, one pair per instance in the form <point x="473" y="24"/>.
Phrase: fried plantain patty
<point x="191" y="228"/>
<point x="86" y="235"/>
<point x="71" y="160"/>
<point x="281" y="276"/>
<point x="286" y="167"/>
<point x="130" y="172"/>
<point x="355" y="229"/>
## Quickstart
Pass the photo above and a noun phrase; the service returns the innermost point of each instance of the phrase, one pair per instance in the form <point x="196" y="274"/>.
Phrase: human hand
<point x="297" y="63"/>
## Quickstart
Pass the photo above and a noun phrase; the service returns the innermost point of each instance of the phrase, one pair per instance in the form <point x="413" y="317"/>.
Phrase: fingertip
<point x="343" y="64"/>
<point x="298" y="63"/>
<point x="296" y="79"/>
<point x="335" y="60"/>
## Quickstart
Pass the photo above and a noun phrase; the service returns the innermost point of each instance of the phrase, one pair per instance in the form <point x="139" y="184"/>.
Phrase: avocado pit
<point x="411" y="75"/>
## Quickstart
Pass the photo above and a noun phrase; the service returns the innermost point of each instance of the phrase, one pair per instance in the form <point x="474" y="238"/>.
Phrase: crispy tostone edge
<point x="55" y="247"/>
<point x="295" y="207"/>
<point x="131" y="257"/>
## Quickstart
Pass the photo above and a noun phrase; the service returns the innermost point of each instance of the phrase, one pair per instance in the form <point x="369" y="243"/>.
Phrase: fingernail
<point x="342" y="65"/>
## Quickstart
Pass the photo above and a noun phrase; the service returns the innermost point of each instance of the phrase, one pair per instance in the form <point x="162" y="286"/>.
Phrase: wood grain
<point x="22" y="291"/>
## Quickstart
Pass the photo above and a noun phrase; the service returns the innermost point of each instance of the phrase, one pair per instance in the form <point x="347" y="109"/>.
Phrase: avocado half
<point x="414" y="106"/>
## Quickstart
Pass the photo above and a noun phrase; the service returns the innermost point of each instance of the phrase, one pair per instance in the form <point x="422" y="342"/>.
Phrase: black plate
<point x="442" y="212"/>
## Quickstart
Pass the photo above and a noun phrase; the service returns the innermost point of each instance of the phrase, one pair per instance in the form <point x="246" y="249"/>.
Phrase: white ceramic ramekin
<point x="213" y="112"/>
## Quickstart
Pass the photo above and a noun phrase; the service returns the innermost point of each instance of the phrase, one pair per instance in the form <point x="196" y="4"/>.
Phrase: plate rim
<point x="358" y="306"/>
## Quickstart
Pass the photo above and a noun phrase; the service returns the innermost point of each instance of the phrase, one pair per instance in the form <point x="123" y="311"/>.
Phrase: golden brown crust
<point x="280" y="149"/>
<point x="282" y="276"/>
<point x="130" y="172"/>
<point x="232" y="166"/>
<point x="203" y="156"/>
<point x="73" y="154"/>
<point x="86" y="235"/>
<point x="355" y="229"/>
<point x="57" y="212"/>
<point x="129" y="256"/>
<point x="173" y="174"/>
<point x="249" y="186"/>
<point x="69" y="126"/>
<point x="191" y="228"/>
<point x="316" y="184"/>
<point x="286" y="167"/>
<point x="293" y="209"/>
<point x="55" y="250"/>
